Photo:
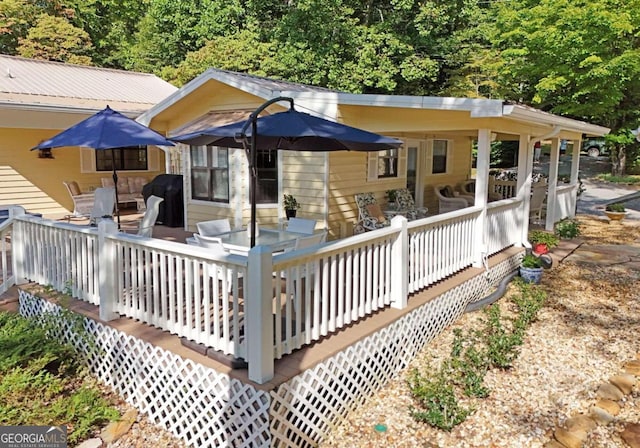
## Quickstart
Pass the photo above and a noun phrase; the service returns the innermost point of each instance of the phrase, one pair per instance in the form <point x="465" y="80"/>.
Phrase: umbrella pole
<point x="115" y="184"/>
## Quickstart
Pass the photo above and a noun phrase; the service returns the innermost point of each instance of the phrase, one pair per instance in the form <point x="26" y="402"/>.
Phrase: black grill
<point x="168" y="187"/>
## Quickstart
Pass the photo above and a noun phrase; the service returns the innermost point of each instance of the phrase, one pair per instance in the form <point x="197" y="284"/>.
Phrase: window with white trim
<point x="210" y="173"/>
<point x="387" y="164"/>
<point x="439" y="156"/>
<point x="133" y="158"/>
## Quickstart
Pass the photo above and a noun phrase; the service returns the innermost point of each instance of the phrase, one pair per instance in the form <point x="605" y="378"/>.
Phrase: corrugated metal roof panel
<point x="55" y="79"/>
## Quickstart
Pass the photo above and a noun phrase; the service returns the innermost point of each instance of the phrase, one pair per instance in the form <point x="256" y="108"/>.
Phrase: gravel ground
<point x="584" y="334"/>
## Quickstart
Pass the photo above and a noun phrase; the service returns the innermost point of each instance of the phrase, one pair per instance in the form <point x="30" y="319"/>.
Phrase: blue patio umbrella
<point x="290" y="130"/>
<point x="106" y="129"/>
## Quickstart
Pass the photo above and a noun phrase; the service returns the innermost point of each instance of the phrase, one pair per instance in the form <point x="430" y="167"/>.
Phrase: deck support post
<point x="399" y="271"/>
<point x="482" y="187"/>
<point x="107" y="270"/>
<point x="259" y="314"/>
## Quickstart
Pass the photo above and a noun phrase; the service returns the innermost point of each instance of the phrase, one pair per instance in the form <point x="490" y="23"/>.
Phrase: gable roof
<point x="267" y="88"/>
<point x="45" y="83"/>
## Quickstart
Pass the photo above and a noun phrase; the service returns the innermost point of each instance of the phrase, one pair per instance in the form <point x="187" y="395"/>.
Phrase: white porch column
<point x="482" y="188"/>
<point x="523" y="187"/>
<point x="575" y="167"/>
<point x="17" y="248"/>
<point x="399" y="271"/>
<point x="259" y="320"/>
<point x="107" y="270"/>
<point x="554" y="158"/>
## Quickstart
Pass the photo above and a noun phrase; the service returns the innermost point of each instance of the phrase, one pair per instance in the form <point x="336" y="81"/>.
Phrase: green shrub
<point x="42" y="381"/>
<point x="439" y="406"/>
<point x="568" y="228"/>
<point x="530" y="261"/>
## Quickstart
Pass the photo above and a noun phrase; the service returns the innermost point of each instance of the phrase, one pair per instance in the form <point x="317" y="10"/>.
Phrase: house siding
<point x="36" y="183"/>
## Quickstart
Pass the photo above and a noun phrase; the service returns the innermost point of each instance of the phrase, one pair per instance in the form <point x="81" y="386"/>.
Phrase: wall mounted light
<point x="45" y="154"/>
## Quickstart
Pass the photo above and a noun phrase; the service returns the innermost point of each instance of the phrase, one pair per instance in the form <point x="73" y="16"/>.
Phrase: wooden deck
<point x="290" y="365"/>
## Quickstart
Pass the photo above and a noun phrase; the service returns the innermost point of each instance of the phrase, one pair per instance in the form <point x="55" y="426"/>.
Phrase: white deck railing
<point x="7" y="278"/>
<point x="261" y="306"/>
<point x="503" y="224"/>
<point x="565" y="201"/>
<point x="439" y="246"/>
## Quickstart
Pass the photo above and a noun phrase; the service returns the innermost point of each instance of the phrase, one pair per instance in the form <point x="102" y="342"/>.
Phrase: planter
<point x="290" y="213"/>
<point x="540" y="248"/>
<point x="531" y="275"/>
<point x="615" y="216"/>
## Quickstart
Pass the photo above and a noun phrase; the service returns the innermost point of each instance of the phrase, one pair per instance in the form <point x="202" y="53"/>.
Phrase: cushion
<point x="74" y="188"/>
<point x="447" y="192"/>
<point x="375" y="211"/>
<point x="135" y="184"/>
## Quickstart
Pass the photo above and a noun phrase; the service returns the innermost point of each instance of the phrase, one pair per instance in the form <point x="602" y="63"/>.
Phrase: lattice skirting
<point x="203" y="407"/>
<point x="305" y="408"/>
<point x="206" y="408"/>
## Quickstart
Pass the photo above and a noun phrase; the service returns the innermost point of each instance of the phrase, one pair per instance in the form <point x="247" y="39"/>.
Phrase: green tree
<point x="577" y="58"/>
<point x="55" y="39"/>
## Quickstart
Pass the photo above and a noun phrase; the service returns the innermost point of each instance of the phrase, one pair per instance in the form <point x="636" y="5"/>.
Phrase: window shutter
<point x="153" y="158"/>
<point x="402" y="162"/>
<point x="87" y="160"/>
<point x="372" y="166"/>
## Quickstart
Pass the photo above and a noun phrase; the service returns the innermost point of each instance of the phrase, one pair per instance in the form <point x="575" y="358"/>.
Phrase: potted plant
<point x="542" y="241"/>
<point x="391" y="198"/>
<point x="531" y="269"/>
<point x="290" y="206"/>
<point x="615" y="212"/>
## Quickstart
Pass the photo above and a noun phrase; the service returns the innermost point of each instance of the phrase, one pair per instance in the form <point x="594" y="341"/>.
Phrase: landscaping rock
<point x="91" y="443"/>
<point x="633" y="367"/>
<point x="610" y="406"/>
<point x="631" y="435"/>
<point x="579" y="423"/>
<point x="573" y="439"/>
<point x="609" y="392"/>
<point x="600" y="416"/>
<point x="115" y="430"/>
<point x="624" y="382"/>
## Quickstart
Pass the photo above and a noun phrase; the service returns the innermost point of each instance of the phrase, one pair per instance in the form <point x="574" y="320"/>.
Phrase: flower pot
<point x="290" y="213"/>
<point x="615" y="216"/>
<point x="540" y="248"/>
<point x="531" y="275"/>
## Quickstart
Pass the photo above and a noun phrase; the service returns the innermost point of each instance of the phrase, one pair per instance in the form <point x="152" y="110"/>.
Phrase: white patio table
<point x="238" y="241"/>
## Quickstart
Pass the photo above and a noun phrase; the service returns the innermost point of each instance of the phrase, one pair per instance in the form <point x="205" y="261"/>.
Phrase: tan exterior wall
<point x="36" y="183"/>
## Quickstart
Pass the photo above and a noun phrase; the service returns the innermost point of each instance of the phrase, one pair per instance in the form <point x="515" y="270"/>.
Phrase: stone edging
<point x="574" y="432"/>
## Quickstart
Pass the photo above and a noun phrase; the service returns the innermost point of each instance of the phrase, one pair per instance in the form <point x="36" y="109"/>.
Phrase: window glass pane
<point x="388" y="163"/>
<point x="133" y="158"/>
<point x="198" y="156"/>
<point x="267" y="168"/>
<point x="220" y="185"/>
<point x="200" y="184"/>
<point x="439" y="156"/>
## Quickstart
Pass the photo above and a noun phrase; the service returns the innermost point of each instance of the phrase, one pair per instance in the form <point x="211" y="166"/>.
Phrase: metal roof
<point x="34" y="81"/>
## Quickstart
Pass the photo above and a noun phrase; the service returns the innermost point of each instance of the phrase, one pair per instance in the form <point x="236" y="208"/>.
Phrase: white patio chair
<point x="213" y="227"/>
<point x="406" y="205"/>
<point x="145" y="227"/>
<point x="301" y="225"/>
<point x="103" y="205"/>
<point x="537" y="203"/>
<point x="370" y="215"/>
<point x="449" y="201"/>
<point x="82" y="202"/>
<point x="214" y="246"/>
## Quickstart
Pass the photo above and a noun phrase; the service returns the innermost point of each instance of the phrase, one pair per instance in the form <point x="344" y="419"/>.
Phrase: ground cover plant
<point x="42" y="382"/>
<point x="437" y="390"/>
